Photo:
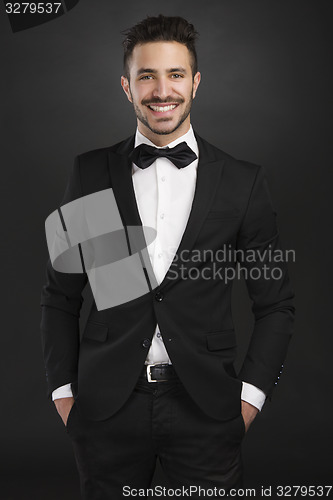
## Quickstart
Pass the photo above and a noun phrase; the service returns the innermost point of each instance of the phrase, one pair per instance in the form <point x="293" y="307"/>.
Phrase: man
<point x="153" y="376"/>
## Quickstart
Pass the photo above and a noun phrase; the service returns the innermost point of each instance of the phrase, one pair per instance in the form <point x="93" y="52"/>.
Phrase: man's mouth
<point x="162" y="108"/>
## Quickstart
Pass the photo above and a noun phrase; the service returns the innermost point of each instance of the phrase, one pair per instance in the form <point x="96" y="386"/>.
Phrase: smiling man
<point x="153" y="378"/>
<point x="161" y="92"/>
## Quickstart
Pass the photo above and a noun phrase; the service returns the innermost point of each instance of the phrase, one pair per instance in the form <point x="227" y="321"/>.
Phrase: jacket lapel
<point x="209" y="172"/>
<point x="120" y="169"/>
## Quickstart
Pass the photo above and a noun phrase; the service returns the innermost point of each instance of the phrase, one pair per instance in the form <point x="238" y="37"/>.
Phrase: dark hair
<point x="157" y="29"/>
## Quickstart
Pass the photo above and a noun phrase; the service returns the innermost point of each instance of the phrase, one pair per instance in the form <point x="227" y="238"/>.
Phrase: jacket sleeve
<point x="265" y="270"/>
<point x="61" y="301"/>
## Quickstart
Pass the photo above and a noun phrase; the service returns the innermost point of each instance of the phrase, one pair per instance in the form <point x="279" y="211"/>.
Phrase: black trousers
<point x="161" y="421"/>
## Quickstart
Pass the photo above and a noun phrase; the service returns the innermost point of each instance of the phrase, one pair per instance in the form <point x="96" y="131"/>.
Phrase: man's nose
<point x="162" y="88"/>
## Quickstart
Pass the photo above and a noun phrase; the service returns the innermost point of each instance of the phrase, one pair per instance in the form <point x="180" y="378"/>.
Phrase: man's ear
<point x="126" y="88"/>
<point x="196" y="81"/>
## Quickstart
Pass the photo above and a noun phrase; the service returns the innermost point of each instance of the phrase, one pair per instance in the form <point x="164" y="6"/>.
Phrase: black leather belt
<point x="159" y="373"/>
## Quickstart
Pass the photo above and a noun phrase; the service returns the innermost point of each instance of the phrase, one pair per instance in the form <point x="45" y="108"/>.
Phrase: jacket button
<point x="146" y="343"/>
<point x="159" y="296"/>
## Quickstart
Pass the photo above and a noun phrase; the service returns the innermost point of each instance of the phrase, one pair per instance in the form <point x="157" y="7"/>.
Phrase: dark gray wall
<point x="265" y="96"/>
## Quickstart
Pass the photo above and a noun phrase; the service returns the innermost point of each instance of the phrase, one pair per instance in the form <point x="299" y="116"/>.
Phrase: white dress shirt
<point x="164" y="196"/>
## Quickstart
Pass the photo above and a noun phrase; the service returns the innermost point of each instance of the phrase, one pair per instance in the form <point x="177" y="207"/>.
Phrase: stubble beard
<point x="166" y="131"/>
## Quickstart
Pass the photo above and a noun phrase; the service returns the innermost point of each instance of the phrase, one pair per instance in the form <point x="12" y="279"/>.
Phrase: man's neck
<point x="163" y="140"/>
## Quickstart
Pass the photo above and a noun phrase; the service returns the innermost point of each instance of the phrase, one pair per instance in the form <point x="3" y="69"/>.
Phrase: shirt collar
<point x="189" y="138"/>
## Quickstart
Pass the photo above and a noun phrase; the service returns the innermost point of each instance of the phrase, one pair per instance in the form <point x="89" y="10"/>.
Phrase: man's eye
<point x="145" y="77"/>
<point x="177" y="75"/>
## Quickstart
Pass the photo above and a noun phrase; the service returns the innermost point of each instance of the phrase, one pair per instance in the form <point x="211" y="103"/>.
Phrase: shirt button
<point x="163" y="178"/>
<point x="146" y="343"/>
<point x="159" y="255"/>
<point x="159" y="296"/>
<point x="162" y="216"/>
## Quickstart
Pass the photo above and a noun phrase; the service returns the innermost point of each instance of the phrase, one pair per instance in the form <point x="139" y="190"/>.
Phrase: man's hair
<point x="157" y="29"/>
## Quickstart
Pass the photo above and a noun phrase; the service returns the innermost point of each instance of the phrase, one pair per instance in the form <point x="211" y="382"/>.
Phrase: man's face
<point x="161" y="87"/>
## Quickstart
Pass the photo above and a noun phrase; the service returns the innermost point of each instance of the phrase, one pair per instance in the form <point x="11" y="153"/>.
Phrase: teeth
<point x="162" y="109"/>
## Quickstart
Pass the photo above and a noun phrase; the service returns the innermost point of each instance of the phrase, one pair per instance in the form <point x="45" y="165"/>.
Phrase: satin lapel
<point x="208" y="177"/>
<point x="120" y="168"/>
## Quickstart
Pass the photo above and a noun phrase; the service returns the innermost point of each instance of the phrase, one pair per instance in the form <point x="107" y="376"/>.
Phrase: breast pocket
<point x="232" y="213"/>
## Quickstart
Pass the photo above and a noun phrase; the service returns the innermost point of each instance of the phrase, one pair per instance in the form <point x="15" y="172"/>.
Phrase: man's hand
<point x="249" y="413"/>
<point x="64" y="406"/>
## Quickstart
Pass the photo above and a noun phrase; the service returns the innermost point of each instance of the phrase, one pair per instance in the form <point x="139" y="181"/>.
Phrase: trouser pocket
<point x="70" y="417"/>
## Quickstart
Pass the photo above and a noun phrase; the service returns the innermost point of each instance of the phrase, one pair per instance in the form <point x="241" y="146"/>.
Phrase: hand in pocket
<point x="64" y="406"/>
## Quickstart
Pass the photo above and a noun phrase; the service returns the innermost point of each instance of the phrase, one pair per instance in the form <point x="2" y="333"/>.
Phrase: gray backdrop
<point x="265" y="96"/>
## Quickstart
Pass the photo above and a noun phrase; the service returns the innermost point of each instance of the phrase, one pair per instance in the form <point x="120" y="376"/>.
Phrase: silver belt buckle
<point x="149" y="374"/>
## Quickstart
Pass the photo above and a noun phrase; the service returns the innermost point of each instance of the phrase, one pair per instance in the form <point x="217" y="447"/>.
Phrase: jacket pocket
<point x="96" y="331"/>
<point x="221" y="340"/>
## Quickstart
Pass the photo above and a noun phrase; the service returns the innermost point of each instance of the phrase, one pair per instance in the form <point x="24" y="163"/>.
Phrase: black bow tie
<point x="181" y="155"/>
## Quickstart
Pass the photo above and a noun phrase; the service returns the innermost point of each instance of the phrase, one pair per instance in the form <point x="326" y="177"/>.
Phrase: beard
<point x="160" y="131"/>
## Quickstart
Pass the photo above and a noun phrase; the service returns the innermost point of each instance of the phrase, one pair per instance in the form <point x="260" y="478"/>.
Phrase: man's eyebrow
<point x="145" y="70"/>
<point x="180" y="69"/>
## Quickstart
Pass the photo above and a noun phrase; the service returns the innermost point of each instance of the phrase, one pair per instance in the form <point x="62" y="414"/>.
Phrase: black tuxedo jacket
<point x="231" y="209"/>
